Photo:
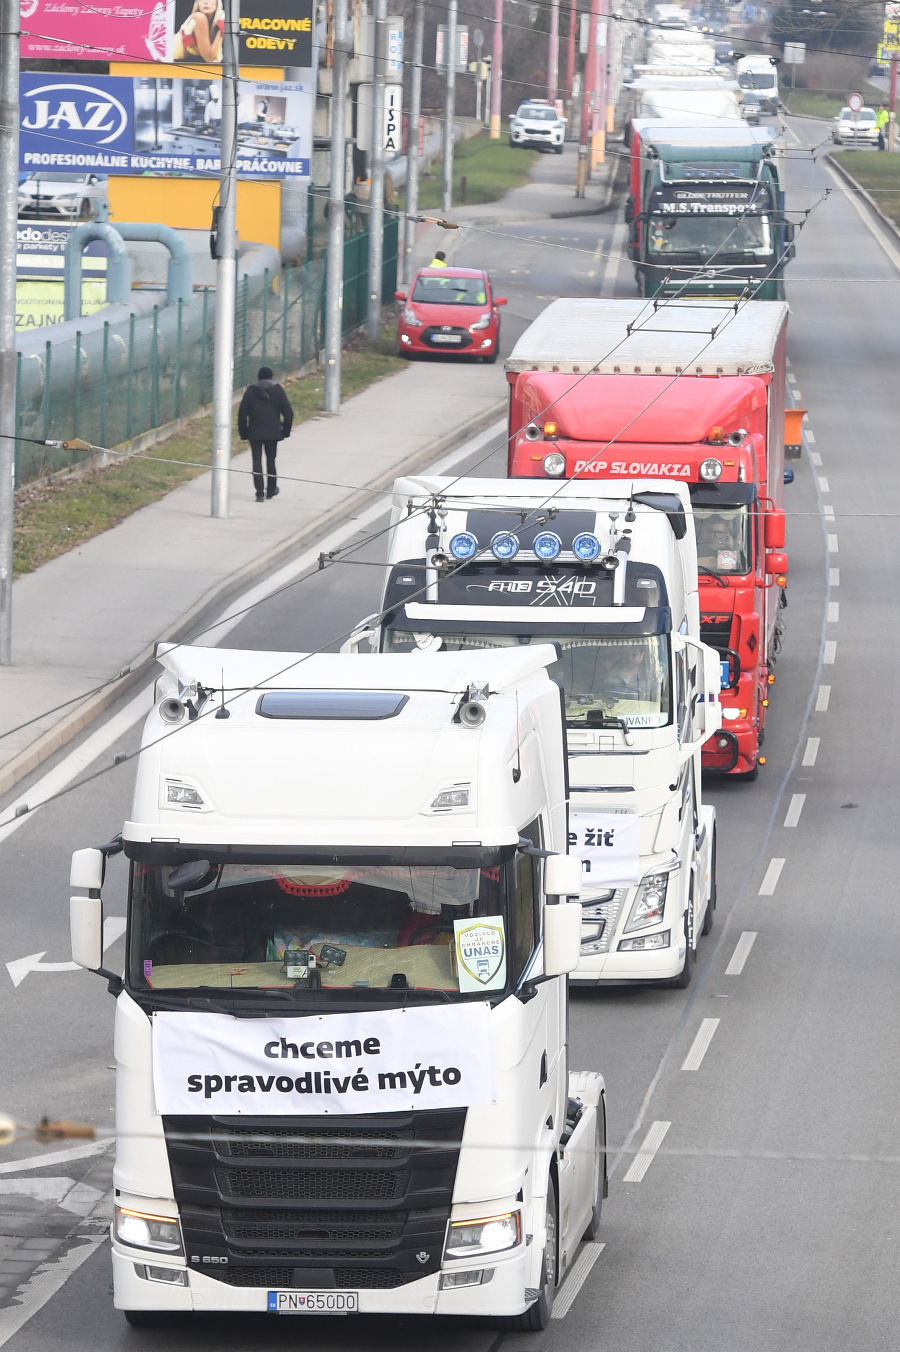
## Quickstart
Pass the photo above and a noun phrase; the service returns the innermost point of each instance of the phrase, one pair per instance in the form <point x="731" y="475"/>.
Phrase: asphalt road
<point x="768" y="1219"/>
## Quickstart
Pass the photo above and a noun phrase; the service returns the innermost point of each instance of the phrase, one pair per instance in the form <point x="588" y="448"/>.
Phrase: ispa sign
<point x="113" y="124"/>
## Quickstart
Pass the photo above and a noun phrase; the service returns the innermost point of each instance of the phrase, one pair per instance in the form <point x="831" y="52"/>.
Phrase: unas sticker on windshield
<point x="480" y="953"/>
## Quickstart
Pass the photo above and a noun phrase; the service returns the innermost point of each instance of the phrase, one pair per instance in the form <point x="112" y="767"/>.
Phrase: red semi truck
<point x="692" y="391"/>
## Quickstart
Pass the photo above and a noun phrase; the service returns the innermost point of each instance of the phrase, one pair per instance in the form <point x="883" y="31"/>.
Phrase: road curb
<point x="846" y="175"/>
<point x="218" y="597"/>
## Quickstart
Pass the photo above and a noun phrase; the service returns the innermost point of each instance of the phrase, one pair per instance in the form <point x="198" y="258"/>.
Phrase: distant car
<point x="724" y="53"/>
<point x="855" y="128"/>
<point x="539" y="125"/>
<point x="750" y="109"/>
<point x="450" y="310"/>
<point x="49" y="194"/>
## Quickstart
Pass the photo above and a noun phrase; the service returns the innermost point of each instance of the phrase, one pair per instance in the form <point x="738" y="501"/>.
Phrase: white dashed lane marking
<point x="576" y="1279"/>
<point x="833" y="544"/>
<point x="770" y="881"/>
<point x="822" y="699"/>
<point x="792" y="816"/>
<point x="823" y="484"/>
<point x="700" y="1044"/>
<point x="834" y="612"/>
<point x="812" y="750"/>
<point x="646" y="1154"/>
<point x="811" y="438"/>
<point x="830" y="653"/>
<point x="741" y="953"/>
<point x="834" y="577"/>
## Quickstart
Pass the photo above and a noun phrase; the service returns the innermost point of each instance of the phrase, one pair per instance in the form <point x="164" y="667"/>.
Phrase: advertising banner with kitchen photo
<point x="115" y="124"/>
<point x="608" y="845"/>
<point x="324" y="1064"/>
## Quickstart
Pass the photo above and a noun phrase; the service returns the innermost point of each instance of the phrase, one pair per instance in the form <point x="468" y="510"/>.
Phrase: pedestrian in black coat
<point x="264" y="418"/>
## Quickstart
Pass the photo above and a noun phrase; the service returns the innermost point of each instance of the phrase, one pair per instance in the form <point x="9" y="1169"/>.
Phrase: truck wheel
<point x="593" y="1225"/>
<point x="711" y="904"/>
<point x="683" y="980"/>
<point x="537" y="1316"/>
<point x="750" y="777"/>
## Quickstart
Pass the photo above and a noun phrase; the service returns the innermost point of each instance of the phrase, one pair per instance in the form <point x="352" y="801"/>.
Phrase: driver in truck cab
<point x="717" y="548"/>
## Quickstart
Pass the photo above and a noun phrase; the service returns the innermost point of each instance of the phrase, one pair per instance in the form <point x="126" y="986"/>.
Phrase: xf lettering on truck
<point x="646" y="469"/>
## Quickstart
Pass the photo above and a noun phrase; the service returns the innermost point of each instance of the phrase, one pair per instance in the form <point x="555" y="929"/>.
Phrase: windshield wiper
<point x="709" y="572"/>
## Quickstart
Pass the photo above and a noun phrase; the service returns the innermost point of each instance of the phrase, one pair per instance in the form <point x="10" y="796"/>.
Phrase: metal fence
<point x="112" y="384"/>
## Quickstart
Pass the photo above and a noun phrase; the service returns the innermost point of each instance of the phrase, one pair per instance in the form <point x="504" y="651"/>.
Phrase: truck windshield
<point x="723" y="539"/>
<point x="756" y="79"/>
<point x="731" y="239"/>
<point x="603" y="678"/>
<point x="314" y="928"/>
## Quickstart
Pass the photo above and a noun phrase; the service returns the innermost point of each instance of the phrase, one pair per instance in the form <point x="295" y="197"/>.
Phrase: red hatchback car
<point x="450" y="310"/>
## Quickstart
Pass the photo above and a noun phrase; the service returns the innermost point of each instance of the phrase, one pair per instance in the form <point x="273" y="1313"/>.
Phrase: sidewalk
<point x="170" y="568"/>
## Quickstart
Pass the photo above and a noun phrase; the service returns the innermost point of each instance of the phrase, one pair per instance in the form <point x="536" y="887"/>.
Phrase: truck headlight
<point x="492" y="1234"/>
<point x="145" y="1231"/>
<point x="555" y="464"/>
<point x="647" y="907"/>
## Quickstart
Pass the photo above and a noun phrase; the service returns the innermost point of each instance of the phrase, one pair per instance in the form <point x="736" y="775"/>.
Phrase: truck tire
<point x="683" y="980"/>
<point x="537" y="1316"/>
<point x="593" y="1226"/>
<point x="713" y="896"/>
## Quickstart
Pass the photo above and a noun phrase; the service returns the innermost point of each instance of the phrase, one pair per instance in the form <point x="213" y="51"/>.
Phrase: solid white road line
<point x="832" y="544"/>
<point x="741" y="953"/>
<point x="700" y="1044"/>
<point x="646" y="1154"/>
<point x="617" y="244"/>
<point x="75" y="1152"/>
<point x="93" y="747"/>
<point x="830" y="653"/>
<point x="792" y="817"/>
<point x="576" y="1279"/>
<point x="812" y="750"/>
<point x="834" y="612"/>
<point x="834" y="577"/>
<point x="814" y="455"/>
<point x="770" y="881"/>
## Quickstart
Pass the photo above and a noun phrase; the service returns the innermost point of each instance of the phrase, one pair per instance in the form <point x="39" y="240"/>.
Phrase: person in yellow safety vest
<point x="439" y="260"/>
<point x="882" y="118"/>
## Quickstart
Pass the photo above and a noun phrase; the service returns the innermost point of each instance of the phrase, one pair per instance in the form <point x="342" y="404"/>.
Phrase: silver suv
<point x="537" y="123"/>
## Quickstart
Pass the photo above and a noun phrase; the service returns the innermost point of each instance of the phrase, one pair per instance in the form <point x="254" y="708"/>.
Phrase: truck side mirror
<point x="86" y="927"/>
<point x="562" y="938"/>
<point x="87" y="870"/>
<point x="562" y="875"/>
<point x="777" y="566"/>
<point x="774" y="529"/>
<point x="363" y="632"/>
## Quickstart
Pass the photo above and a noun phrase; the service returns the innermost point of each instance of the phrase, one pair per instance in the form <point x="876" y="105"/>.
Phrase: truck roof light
<point x="504" y="546"/>
<point x="464" y="545"/>
<point x="547" y="545"/>
<point x="710" y="469"/>
<point x="555" y="464"/>
<point x="586" y="547"/>
<point x="716" y="436"/>
<point x="549" y="429"/>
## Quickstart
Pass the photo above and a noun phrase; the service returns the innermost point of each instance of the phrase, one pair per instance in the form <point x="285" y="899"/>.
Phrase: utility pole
<point x="553" y="52"/>
<point x="226" y="270"/>
<point x="412" y="143"/>
<point x="376" y="175"/>
<point x="497" y="71"/>
<point x="892" y="104"/>
<point x="587" y="100"/>
<point x="570" y="58"/>
<point x="9" y="210"/>
<point x="449" y="111"/>
<point x="334" y="274"/>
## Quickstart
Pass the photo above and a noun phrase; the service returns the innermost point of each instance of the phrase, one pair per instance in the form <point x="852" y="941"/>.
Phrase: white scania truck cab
<point x="608" y="573"/>
<point x="341" y="1036"/>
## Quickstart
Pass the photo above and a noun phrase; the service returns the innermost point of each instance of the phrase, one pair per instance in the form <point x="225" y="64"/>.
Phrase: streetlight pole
<point x="412" y="143"/>
<point x="570" y="57"/>
<point x="334" y="274"/>
<point x="553" y="52"/>
<point x="376" y="175"/>
<point x="587" y="101"/>
<point x="449" y="111"/>
<point x="9" y="205"/>
<point x="226" y="270"/>
<point x="497" y="71"/>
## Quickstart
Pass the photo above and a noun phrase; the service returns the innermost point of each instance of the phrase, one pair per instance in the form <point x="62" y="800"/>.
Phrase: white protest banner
<point x="609" y="846"/>
<point x="371" y="1062"/>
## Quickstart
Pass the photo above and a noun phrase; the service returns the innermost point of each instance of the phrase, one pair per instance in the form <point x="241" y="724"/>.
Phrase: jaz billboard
<point x="271" y="32"/>
<point x="113" y="124"/>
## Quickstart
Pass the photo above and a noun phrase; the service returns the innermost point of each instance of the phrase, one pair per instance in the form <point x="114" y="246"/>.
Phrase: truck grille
<point x="290" y="1201"/>
<point x="607" y="911"/>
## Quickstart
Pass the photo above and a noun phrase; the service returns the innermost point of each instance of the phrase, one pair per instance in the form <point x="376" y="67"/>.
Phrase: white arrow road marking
<point x="113" y="929"/>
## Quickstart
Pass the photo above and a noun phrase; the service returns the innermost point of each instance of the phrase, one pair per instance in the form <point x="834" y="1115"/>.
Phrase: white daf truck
<point x="608" y="573"/>
<point x="341" y="1036"/>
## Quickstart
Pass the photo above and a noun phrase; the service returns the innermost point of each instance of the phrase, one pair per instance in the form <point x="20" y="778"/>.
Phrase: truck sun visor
<point x="722" y="495"/>
<point x="671" y="505"/>
<point x="336" y="704"/>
